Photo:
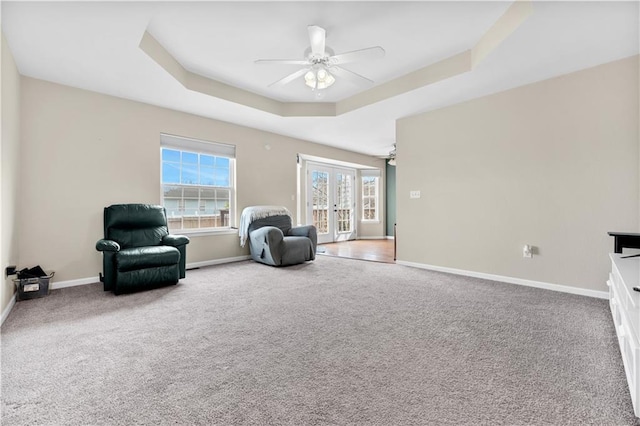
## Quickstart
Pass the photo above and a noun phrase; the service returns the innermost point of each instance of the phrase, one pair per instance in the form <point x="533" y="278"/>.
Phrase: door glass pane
<point x="344" y="202"/>
<point x="320" y="200"/>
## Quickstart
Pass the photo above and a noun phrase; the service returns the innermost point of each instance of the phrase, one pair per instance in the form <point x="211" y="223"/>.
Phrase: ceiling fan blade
<point x="350" y="76"/>
<point x="283" y="61"/>
<point x="288" y="79"/>
<point x="358" y="55"/>
<point x="317" y="36"/>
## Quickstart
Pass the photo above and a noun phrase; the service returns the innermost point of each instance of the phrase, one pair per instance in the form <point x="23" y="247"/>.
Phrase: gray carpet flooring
<point x="331" y="342"/>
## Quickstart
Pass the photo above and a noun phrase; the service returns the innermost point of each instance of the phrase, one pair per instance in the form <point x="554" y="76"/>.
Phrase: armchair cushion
<point x="146" y="257"/>
<point x="128" y="237"/>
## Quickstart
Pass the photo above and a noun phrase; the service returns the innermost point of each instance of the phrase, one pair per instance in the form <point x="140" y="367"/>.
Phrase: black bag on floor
<point x="35" y="272"/>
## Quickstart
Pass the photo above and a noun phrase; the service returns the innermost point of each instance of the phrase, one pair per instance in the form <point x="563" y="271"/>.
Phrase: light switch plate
<point x="414" y="194"/>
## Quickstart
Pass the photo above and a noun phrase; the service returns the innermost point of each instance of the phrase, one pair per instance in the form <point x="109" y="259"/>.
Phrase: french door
<point x="331" y="202"/>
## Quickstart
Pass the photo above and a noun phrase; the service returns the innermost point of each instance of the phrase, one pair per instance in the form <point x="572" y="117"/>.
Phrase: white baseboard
<point x="217" y="261"/>
<point x="92" y="280"/>
<point x="72" y="283"/>
<point x="8" y="309"/>
<point x="381" y="237"/>
<point x="510" y="280"/>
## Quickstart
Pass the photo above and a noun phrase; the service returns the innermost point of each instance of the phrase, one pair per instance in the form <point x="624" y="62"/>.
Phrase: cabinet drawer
<point x="610" y="286"/>
<point x="630" y="351"/>
<point x="615" y="313"/>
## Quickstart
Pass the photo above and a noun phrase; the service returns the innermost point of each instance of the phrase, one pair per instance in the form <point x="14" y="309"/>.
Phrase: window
<point x="197" y="183"/>
<point x="370" y="190"/>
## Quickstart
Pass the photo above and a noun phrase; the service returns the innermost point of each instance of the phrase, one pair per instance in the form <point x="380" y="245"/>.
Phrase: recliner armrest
<point x="107" y="245"/>
<point x="308" y="231"/>
<point x="266" y="245"/>
<point x="303" y="231"/>
<point x="175" y="240"/>
<point x="269" y="234"/>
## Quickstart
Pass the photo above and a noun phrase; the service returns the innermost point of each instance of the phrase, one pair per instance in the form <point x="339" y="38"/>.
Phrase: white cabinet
<point x="625" y="309"/>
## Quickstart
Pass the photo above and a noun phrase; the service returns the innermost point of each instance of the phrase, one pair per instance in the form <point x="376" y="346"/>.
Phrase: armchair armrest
<point x="303" y="231"/>
<point x="107" y="245"/>
<point x="267" y="245"/>
<point x="270" y="235"/>
<point x="308" y="231"/>
<point x="175" y="240"/>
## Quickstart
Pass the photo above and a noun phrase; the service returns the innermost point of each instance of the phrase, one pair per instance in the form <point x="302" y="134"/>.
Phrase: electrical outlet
<point x="414" y="194"/>
<point x="10" y="270"/>
<point x="527" y="251"/>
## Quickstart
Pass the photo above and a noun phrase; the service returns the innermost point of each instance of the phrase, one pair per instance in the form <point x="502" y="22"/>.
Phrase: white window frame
<point x="370" y="174"/>
<point x="209" y="148"/>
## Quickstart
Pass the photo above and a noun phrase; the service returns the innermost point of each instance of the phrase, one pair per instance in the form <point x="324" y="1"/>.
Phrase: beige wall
<point x="553" y="164"/>
<point x="83" y="151"/>
<point x="9" y="170"/>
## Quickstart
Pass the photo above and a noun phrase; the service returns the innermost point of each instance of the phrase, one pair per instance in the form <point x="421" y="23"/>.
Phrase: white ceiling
<point x="94" y="46"/>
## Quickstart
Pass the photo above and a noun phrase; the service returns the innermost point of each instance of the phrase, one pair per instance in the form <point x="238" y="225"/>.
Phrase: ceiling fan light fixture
<point x="320" y="79"/>
<point x="310" y="79"/>
<point x="392" y="156"/>
<point x="321" y="65"/>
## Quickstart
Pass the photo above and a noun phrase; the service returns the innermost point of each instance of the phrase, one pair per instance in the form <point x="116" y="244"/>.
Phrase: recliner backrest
<point x="135" y="225"/>
<point x="280" y="221"/>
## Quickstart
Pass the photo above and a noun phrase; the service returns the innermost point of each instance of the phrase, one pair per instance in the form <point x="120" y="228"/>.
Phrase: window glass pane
<point x="221" y="177"/>
<point x="172" y="206"/>
<point x="191" y="206"/>
<point x="170" y="155"/>
<point x="191" y="193"/>
<point x="369" y="198"/>
<point x="170" y="172"/>
<point x="189" y="174"/>
<point x="222" y="195"/>
<point x="222" y="162"/>
<point x="207" y="193"/>
<point x="208" y="208"/>
<point x="189" y="158"/>
<point x="206" y="160"/>
<point x="171" y="191"/>
<point x="207" y="175"/>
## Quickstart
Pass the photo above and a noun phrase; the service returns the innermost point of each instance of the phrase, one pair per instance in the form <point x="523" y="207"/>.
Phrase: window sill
<point x="204" y="232"/>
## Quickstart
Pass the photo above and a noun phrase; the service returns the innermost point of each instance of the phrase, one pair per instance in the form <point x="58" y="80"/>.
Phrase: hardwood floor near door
<point x="374" y="250"/>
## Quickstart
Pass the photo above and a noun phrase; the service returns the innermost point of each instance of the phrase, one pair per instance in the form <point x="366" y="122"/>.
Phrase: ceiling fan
<point x="321" y="66"/>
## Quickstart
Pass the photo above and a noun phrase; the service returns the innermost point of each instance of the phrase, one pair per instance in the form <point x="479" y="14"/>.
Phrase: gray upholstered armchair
<point x="273" y="240"/>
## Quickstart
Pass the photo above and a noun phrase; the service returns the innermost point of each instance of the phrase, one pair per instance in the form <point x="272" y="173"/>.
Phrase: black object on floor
<point x="35" y="272"/>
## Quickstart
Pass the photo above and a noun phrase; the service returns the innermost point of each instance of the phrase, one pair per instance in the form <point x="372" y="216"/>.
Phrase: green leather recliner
<point x="138" y="251"/>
